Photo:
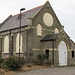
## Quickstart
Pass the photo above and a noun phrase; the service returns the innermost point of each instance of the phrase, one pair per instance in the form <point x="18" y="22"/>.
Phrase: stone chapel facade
<point x="41" y="32"/>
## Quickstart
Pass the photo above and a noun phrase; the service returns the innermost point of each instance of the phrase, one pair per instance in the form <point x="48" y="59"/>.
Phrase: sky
<point x="64" y="9"/>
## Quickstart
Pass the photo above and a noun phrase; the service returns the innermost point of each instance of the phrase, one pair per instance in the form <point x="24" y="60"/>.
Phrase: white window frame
<point x="6" y="44"/>
<point x="17" y="43"/>
<point x="39" y="30"/>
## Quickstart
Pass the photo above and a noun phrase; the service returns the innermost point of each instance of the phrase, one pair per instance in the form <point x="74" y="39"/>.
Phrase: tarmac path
<point x="70" y="70"/>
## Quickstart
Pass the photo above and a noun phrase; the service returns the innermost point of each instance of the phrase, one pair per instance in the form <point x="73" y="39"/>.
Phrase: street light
<point x="20" y="32"/>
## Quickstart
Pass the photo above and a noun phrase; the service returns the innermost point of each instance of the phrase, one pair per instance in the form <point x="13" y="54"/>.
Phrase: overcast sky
<point x="64" y="9"/>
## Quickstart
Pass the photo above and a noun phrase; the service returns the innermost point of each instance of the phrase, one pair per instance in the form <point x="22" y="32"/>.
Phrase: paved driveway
<point x="51" y="71"/>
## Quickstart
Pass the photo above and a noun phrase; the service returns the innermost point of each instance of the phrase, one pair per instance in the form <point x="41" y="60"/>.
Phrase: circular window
<point x="48" y="19"/>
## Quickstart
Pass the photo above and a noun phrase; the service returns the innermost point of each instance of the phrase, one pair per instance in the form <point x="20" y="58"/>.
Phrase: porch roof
<point x="50" y="37"/>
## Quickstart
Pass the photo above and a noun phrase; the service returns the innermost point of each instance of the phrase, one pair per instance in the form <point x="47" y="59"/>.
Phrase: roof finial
<point x="47" y="0"/>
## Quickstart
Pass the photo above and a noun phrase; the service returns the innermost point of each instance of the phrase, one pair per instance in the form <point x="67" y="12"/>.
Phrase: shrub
<point x="13" y="63"/>
<point x="1" y="61"/>
<point x="41" y="58"/>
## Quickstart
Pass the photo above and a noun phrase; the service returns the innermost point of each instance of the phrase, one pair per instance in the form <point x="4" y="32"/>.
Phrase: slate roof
<point x="50" y="37"/>
<point x="14" y="21"/>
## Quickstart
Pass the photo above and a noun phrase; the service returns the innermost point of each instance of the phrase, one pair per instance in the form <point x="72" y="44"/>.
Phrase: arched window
<point x="17" y="43"/>
<point x="39" y="30"/>
<point x="6" y="44"/>
<point x="56" y="30"/>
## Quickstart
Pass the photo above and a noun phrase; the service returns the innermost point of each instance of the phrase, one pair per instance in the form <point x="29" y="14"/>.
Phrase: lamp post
<point x="20" y="32"/>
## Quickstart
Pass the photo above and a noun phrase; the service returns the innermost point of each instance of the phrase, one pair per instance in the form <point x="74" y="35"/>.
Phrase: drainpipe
<point x="53" y="50"/>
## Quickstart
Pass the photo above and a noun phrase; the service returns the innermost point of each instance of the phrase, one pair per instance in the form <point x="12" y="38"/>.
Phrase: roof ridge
<point x="27" y="10"/>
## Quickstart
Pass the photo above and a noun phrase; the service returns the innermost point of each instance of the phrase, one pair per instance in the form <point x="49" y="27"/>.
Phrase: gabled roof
<point x="14" y="21"/>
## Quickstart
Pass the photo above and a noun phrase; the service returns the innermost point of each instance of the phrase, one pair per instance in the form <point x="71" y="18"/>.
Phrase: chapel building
<point x="41" y="32"/>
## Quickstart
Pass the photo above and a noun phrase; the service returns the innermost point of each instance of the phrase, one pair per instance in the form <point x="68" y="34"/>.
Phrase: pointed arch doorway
<point x="62" y="53"/>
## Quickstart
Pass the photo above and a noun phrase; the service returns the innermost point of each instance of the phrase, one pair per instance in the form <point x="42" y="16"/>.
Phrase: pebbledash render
<point x="41" y="32"/>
